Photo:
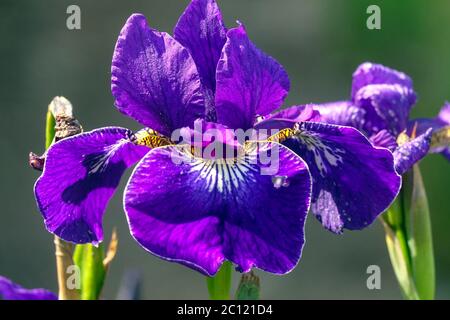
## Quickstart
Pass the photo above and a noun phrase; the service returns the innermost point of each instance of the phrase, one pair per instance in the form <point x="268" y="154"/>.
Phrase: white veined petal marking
<point x="324" y="156"/>
<point x="98" y="162"/>
<point x="224" y="175"/>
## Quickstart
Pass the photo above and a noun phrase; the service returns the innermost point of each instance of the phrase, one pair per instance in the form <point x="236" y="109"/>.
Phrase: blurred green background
<point x="319" y="42"/>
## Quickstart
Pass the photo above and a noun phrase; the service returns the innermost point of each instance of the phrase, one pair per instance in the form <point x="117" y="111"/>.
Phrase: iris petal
<point x="154" y="78"/>
<point x="80" y="175"/>
<point x="200" y="212"/>
<point x="384" y="139"/>
<point x="12" y="291"/>
<point x="444" y="114"/>
<point x="372" y="73"/>
<point x="353" y="182"/>
<point x="201" y="30"/>
<point x="249" y="82"/>
<point x="411" y="152"/>
<point x="287" y="118"/>
<point x="387" y="107"/>
<point x="342" y="113"/>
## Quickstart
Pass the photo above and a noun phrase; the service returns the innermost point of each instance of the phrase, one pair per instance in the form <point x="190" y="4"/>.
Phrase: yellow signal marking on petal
<point x="402" y="138"/>
<point x="198" y="153"/>
<point x="150" y="138"/>
<point x="441" y="138"/>
<point x="283" y="135"/>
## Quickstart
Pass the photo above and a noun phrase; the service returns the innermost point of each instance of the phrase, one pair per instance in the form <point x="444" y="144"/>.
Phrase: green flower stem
<point x="219" y="285"/>
<point x="63" y="250"/>
<point x="409" y="239"/>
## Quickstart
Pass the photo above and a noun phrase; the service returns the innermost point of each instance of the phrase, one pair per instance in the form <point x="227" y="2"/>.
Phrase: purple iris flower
<point x="201" y="211"/>
<point x="380" y="103"/>
<point x="12" y="291"/>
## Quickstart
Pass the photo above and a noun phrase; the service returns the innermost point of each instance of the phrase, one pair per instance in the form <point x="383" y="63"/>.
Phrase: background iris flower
<point x="380" y="103"/>
<point x="198" y="211"/>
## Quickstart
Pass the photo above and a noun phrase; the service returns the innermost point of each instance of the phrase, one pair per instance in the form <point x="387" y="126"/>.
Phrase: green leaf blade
<point x="90" y="261"/>
<point x="421" y="240"/>
<point x="219" y="285"/>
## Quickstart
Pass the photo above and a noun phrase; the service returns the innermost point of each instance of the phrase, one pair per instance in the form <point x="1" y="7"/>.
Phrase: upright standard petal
<point x="371" y="73"/>
<point x="412" y="152"/>
<point x="12" y="291"/>
<point x="80" y="175"/>
<point x="154" y="78"/>
<point x="200" y="212"/>
<point x="249" y="82"/>
<point x="201" y="30"/>
<point x="353" y="182"/>
<point x="387" y="107"/>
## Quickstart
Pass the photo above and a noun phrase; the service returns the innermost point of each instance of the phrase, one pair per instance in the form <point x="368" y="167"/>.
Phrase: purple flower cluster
<point x="199" y="211"/>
